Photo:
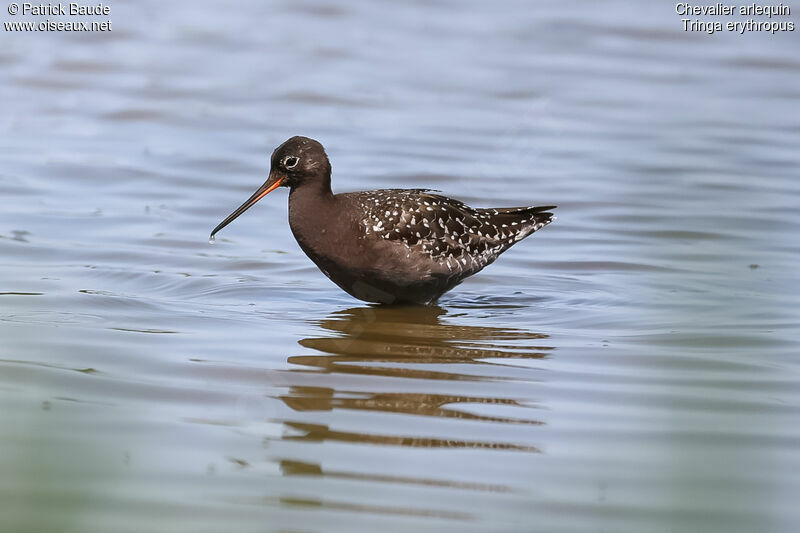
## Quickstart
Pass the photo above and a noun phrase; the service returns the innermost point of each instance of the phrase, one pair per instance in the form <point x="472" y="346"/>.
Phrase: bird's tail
<point x="537" y="216"/>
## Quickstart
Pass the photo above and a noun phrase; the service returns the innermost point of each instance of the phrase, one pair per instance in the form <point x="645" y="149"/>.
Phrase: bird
<point x="388" y="246"/>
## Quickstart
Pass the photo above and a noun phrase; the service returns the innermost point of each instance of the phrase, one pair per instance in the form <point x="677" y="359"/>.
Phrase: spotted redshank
<point x="389" y="245"/>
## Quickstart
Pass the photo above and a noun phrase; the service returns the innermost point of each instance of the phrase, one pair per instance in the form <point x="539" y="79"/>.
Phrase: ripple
<point x="627" y="370"/>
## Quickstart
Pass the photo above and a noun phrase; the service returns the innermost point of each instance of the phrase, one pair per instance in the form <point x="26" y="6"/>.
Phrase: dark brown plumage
<point x="389" y="245"/>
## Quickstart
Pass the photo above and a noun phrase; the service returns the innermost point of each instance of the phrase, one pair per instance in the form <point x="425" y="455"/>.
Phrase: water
<point x="632" y="367"/>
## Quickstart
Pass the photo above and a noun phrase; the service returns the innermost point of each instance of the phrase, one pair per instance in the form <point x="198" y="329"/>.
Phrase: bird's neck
<point x="311" y="209"/>
<point x="310" y="194"/>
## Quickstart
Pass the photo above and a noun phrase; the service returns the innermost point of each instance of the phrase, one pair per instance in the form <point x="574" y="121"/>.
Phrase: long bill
<point x="270" y="185"/>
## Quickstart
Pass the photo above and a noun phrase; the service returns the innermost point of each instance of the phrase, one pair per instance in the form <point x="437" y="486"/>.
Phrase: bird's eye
<point x="291" y="162"/>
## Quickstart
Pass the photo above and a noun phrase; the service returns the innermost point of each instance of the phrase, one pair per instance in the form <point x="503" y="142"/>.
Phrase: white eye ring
<point x="291" y="161"/>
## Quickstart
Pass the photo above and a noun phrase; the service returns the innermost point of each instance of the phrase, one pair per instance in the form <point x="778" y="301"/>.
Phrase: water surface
<point x="632" y="367"/>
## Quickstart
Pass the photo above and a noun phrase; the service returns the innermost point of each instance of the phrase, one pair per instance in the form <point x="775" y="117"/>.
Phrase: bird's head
<point x="298" y="162"/>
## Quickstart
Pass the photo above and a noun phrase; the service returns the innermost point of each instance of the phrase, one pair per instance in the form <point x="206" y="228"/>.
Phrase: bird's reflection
<point x="411" y="397"/>
<point x="406" y="338"/>
<point x="407" y="360"/>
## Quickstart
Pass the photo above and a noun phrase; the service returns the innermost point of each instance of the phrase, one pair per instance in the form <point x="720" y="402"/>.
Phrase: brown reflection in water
<point x="300" y="468"/>
<point x="374" y="361"/>
<point x="319" y="433"/>
<point x="313" y="503"/>
<point x="399" y="342"/>
<point x="411" y="336"/>
<point x="323" y="399"/>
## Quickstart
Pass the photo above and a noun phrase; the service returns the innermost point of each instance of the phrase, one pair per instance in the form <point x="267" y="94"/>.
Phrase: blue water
<point x="632" y="367"/>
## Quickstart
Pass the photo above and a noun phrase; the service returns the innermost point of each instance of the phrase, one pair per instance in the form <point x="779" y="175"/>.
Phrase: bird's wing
<point x="450" y="232"/>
